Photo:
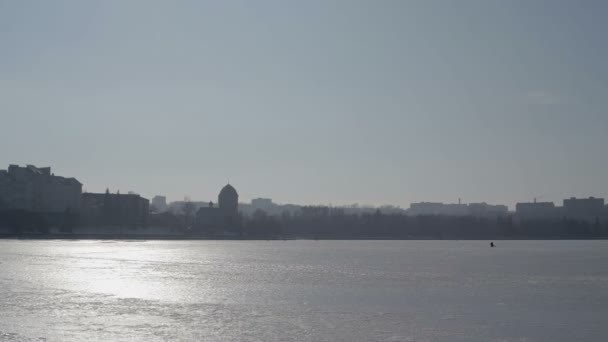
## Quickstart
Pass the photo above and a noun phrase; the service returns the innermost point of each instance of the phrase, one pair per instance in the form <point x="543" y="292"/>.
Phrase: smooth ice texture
<point x="303" y="290"/>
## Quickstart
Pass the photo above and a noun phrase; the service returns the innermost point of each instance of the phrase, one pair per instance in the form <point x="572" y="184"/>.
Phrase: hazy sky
<point x="311" y="101"/>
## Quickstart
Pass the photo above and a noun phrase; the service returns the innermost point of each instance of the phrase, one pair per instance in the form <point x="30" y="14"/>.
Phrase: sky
<point x="311" y="102"/>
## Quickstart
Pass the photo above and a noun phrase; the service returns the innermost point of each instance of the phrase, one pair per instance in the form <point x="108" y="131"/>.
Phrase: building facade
<point x="130" y="210"/>
<point x="584" y="207"/>
<point x="537" y="210"/>
<point x="38" y="190"/>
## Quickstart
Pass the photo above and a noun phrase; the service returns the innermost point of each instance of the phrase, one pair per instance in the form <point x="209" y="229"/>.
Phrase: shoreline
<point x="143" y="237"/>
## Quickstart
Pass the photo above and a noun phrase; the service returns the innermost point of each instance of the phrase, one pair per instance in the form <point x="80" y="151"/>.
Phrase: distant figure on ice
<point x="492" y="244"/>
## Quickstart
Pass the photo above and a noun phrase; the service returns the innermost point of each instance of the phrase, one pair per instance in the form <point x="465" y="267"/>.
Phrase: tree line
<point x="327" y="222"/>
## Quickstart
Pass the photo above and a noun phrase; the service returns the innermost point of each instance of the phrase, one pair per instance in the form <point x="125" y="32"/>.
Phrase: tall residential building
<point x="584" y="207"/>
<point x="37" y="189"/>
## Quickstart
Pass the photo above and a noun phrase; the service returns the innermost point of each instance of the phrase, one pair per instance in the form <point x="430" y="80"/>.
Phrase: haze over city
<point x="310" y="102"/>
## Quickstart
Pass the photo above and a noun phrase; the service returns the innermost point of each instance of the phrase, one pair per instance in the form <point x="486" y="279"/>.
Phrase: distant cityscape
<point x="34" y="200"/>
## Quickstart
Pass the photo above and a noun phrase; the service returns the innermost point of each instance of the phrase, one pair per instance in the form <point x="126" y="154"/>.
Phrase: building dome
<point x="228" y="200"/>
<point x="229" y="190"/>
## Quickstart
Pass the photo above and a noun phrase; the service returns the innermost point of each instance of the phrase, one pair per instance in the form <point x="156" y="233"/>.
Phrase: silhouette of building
<point x="177" y="207"/>
<point x="457" y="209"/>
<point x="223" y="217"/>
<point x="159" y="203"/>
<point x="37" y="189"/>
<point x="209" y="217"/>
<point x="536" y="210"/>
<point x="264" y="204"/>
<point x="108" y="209"/>
<point x="487" y="210"/>
<point x="437" y="208"/>
<point x="584" y="207"/>
<point x="228" y="201"/>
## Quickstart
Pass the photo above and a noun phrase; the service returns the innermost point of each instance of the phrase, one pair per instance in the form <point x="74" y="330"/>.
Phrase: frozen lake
<point x="303" y="290"/>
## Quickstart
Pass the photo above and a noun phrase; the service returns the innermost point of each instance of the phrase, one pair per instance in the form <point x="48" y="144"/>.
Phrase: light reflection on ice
<point x="301" y="290"/>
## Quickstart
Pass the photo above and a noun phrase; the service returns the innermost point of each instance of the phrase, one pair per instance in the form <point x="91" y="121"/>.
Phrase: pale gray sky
<point x="311" y="101"/>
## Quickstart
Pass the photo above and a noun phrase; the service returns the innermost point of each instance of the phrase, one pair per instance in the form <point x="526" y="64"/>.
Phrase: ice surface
<point x="303" y="291"/>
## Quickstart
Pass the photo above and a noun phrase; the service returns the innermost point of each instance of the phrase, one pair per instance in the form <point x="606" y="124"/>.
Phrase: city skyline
<point x="45" y="191"/>
<point x="37" y="200"/>
<point x="311" y="102"/>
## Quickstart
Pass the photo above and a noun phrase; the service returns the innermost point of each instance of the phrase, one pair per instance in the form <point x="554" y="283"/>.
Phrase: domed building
<point x="225" y="217"/>
<point x="228" y="200"/>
